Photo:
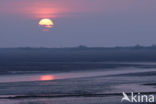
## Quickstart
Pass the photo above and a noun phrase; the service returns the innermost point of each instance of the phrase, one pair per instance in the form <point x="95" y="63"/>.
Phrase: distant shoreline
<point x="81" y="47"/>
<point x="80" y="54"/>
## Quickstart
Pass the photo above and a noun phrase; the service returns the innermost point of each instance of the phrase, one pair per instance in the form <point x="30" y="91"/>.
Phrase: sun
<point x="46" y="23"/>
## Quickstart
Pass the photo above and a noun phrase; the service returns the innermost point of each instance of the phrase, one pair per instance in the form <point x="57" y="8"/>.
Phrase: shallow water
<point x="72" y="100"/>
<point x="63" y="88"/>
<point x="55" y="76"/>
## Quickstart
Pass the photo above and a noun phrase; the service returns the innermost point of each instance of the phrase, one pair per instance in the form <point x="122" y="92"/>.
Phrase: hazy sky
<point x="78" y="22"/>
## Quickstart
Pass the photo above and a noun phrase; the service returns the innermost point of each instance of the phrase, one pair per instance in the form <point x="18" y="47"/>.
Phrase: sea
<point x="95" y="86"/>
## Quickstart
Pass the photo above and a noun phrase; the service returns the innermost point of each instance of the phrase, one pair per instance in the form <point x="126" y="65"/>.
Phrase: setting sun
<point x="46" y="23"/>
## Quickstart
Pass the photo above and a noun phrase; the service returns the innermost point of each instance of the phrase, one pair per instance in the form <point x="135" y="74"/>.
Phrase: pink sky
<point x="57" y="8"/>
<point x="78" y="22"/>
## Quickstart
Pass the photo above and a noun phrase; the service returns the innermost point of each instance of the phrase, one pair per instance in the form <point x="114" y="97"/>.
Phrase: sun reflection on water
<point x="46" y="77"/>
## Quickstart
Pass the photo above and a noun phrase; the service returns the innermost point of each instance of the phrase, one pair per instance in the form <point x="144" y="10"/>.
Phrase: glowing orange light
<point x="46" y="77"/>
<point x="46" y="23"/>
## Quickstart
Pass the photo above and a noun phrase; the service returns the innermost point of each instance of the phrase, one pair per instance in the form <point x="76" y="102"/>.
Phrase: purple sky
<point x="78" y="22"/>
